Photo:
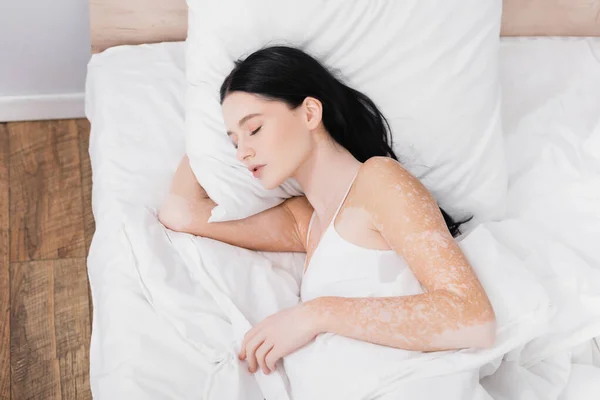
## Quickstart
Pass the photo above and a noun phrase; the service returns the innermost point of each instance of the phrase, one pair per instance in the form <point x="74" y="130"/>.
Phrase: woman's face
<point x="267" y="133"/>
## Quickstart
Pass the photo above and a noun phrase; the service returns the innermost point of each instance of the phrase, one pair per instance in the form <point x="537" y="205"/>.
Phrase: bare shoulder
<point x="384" y="168"/>
<point x="301" y="210"/>
<point x="391" y="185"/>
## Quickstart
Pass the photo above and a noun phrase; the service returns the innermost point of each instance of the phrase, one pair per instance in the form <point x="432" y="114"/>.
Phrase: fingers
<point x="271" y="360"/>
<point x="261" y="353"/>
<point x="251" y="347"/>
<point x="247" y="337"/>
<point x="242" y="355"/>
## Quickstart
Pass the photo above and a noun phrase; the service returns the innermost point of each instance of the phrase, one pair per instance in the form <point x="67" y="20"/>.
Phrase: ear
<point x="314" y="112"/>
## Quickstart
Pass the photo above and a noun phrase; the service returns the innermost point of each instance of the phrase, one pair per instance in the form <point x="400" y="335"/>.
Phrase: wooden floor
<point x="46" y="226"/>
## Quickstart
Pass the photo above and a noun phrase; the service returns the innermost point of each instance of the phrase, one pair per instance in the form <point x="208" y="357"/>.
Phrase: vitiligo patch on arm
<point x="453" y="312"/>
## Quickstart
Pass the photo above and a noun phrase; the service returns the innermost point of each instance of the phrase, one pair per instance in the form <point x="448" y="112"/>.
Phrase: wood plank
<point x="74" y="375"/>
<point x="89" y="225"/>
<point x="46" y="216"/>
<point x="115" y="22"/>
<point x="550" y="18"/>
<point x="4" y="269"/>
<point x="35" y="369"/>
<point x="72" y="327"/>
<point x="50" y="330"/>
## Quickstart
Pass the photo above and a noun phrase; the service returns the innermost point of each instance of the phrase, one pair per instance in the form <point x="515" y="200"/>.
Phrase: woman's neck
<point x="325" y="175"/>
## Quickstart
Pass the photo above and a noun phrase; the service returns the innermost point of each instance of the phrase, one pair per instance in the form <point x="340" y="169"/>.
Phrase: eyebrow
<point x="244" y="119"/>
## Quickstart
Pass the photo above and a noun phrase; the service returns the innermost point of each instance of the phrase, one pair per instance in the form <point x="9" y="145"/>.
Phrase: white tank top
<point x="337" y="367"/>
<point x="340" y="268"/>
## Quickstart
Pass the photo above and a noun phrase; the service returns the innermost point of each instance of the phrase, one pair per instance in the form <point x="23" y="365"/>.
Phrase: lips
<point x="254" y="167"/>
<point x="257" y="170"/>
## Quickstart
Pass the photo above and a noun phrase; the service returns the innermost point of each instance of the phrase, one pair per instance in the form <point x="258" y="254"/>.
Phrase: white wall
<point x="44" y="50"/>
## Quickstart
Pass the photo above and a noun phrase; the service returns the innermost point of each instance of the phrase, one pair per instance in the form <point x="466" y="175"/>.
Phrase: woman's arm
<point x="187" y="208"/>
<point x="427" y="322"/>
<point x="455" y="311"/>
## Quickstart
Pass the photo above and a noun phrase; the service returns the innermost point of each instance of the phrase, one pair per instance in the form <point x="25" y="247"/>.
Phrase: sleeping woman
<point x="382" y="265"/>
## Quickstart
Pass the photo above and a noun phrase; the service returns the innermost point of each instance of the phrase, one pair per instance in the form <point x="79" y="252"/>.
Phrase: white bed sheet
<point x="159" y="332"/>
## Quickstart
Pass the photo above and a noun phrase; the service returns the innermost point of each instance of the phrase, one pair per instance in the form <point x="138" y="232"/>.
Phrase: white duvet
<point x="170" y="309"/>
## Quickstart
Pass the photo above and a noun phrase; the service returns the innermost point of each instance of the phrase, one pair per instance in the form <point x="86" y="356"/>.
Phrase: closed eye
<point x="252" y="133"/>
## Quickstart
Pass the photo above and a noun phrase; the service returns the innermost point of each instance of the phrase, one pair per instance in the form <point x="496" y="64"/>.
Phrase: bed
<point x="159" y="331"/>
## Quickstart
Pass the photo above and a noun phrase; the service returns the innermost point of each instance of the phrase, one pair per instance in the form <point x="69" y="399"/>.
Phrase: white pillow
<point x="430" y="66"/>
<point x="134" y="101"/>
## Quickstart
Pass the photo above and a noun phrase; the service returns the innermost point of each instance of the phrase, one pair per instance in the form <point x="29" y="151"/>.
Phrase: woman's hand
<point x="277" y="336"/>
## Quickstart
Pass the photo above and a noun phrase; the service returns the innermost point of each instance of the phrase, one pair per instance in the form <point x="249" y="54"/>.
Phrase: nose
<point x="243" y="151"/>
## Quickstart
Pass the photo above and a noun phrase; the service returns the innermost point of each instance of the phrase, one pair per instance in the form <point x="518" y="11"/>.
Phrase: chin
<point x="270" y="184"/>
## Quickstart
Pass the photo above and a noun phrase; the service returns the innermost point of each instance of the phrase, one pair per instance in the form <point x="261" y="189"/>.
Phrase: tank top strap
<point x="336" y="212"/>
<point x="343" y="199"/>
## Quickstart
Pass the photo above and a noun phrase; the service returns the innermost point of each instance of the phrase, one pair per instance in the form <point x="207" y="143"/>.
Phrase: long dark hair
<point x="290" y="75"/>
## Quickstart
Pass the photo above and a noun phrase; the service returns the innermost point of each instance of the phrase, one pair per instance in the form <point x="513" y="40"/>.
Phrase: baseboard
<point x="40" y="107"/>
